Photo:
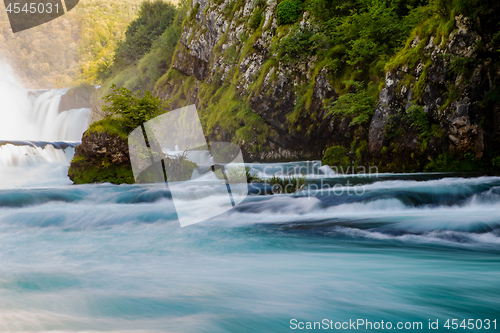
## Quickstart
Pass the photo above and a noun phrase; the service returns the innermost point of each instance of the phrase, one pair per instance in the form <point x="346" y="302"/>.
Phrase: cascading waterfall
<point x="35" y="117"/>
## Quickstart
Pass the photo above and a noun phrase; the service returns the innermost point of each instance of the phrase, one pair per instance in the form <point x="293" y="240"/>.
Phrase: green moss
<point x="421" y="83"/>
<point x="453" y="94"/>
<point x="336" y="156"/>
<point x="255" y="87"/>
<point x="81" y="172"/>
<point x="172" y="77"/>
<point x="110" y="125"/>
<point x="230" y="55"/>
<point x="300" y="105"/>
<point x="255" y="20"/>
<point x="227" y="113"/>
<point x="193" y="12"/>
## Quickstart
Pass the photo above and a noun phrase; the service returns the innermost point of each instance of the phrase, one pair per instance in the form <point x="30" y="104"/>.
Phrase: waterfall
<point x="26" y="119"/>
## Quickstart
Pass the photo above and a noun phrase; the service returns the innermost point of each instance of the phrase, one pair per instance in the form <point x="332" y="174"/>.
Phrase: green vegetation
<point x="109" y="125"/>
<point x="359" y="106"/>
<point x="256" y="18"/>
<point x="297" y="46"/>
<point x="73" y="49"/>
<point x="147" y="51"/>
<point x="289" y="11"/>
<point x="363" y="34"/>
<point x="342" y="47"/>
<point x="132" y="109"/>
<point x="450" y="162"/>
<point x="82" y="172"/>
<point x="124" y="112"/>
<point x="279" y="183"/>
<point x="336" y="156"/>
<point x="153" y="19"/>
<point x="251" y="177"/>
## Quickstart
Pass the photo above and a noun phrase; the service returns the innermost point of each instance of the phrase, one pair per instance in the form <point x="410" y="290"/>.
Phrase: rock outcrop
<point x="102" y="157"/>
<point x="451" y="84"/>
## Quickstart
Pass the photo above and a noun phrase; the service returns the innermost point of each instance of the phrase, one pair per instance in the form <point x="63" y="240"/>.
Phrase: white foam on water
<point x="28" y="166"/>
<point x="470" y="215"/>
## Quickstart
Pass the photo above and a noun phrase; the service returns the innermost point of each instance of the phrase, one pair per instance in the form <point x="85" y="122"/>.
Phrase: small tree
<point x="133" y="109"/>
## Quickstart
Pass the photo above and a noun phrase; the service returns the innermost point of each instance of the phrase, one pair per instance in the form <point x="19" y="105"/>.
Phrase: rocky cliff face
<point x="227" y="67"/>
<point x="434" y="100"/>
<point x="453" y="85"/>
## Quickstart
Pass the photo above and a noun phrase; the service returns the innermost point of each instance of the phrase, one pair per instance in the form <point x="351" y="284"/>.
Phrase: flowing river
<point x="103" y="258"/>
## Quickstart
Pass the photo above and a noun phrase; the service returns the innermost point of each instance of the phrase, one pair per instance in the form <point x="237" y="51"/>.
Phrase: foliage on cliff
<point x="132" y="109"/>
<point x="437" y="111"/>
<point x="269" y="73"/>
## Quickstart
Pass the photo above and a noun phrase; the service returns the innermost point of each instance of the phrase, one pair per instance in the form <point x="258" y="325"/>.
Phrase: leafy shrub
<point x="257" y="14"/>
<point x="256" y="19"/>
<point x="133" y="109"/>
<point x="297" y="45"/>
<point x="289" y="11"/>
<point x="496" y="162"/>
<point x="418" y="120"/>
<point x="359" y="105"/>
<point x="449" y="162"/>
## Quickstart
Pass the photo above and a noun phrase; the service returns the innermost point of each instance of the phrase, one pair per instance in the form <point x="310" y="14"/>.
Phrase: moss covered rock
<point x="102" y="157"/>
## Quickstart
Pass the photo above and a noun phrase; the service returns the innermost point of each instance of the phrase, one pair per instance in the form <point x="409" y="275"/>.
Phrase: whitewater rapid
<point x="112" y="258"/>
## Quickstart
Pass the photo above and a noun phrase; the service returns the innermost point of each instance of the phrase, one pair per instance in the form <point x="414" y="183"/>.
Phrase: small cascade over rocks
<point x="36" y="140"/>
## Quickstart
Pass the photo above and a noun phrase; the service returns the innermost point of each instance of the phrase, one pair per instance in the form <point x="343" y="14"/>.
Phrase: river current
<point x="104" y="258"/>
